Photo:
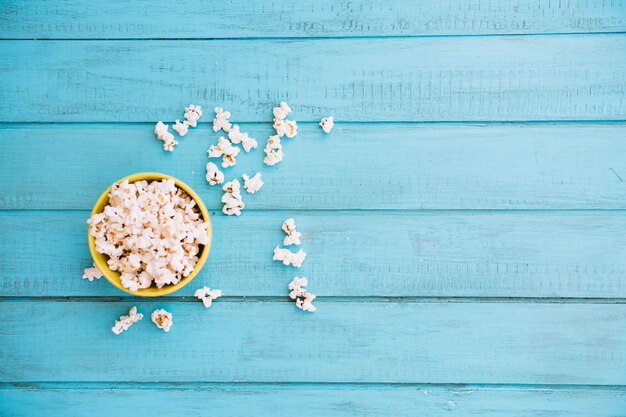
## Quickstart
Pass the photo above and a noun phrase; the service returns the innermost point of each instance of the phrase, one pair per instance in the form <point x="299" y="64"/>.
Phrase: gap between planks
<point x="202" y="385"/>
<point x="327" y="299"/>
<point x="338" y="37"/>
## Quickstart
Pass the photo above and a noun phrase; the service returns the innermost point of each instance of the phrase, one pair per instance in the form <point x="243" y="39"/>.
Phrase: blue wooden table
<point x="464" y="221"/>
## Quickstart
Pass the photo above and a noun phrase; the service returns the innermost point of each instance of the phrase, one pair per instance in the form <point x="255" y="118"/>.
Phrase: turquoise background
<point x="464" y="220"/>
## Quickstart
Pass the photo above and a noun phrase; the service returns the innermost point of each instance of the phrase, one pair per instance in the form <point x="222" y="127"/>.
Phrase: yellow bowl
<point x="114" y="277"/>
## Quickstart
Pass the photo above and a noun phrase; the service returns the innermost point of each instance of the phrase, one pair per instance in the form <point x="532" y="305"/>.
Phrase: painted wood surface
<point x="356" y="341"/>
<point x="472" y="266"/>
<point x="358" y="166"/>
<point x="326" y="18"/>
<point x="393" y="79"/>
<point x="398" y="254"/>
<point x="165" y="400"/>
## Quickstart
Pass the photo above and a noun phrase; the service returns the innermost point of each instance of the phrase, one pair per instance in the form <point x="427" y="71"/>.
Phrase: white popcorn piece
<point x="192" y="114"/>
<point x="238" y="137"/>
<point x="235" y="135"/>
<point x="92" y="273"/>
<point x="293" y="236"/>
<point x="304" y="299"/>
<point x="162" y="319"/>
<point x="291" y="128"/>
<point x="233" y="203"/>
<point x="221" y="120"/>
<point x="281" y="111"/>
<point x="254" y="184"/>
<point x="213" y="174"/>
<point x="207" y="295"/>
<point x="327" y="124"/>
<point x="160" y="130"/>
<point x="151" y="233"/>
<point x="181" y="128"/>
<point x="126" y="321"/>
<point x="288" y="257"/>
<point x="287" y="128"/>
<point x="273" y="151"/>
<point x="248" y="143"/>
<point x="226" y="150"/>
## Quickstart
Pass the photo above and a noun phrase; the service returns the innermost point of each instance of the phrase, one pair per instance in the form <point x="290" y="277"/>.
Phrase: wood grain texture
<point x="353" y="254"/>
<point x="251" y="341"/>
<point x="190" y="400"/>
<point x="393" y="79"/>
<point x="358" y="166"/>
<point x="83" y="19"/>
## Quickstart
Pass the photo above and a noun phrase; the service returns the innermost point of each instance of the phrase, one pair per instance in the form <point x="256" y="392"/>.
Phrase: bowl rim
<point x="113" y="276"/>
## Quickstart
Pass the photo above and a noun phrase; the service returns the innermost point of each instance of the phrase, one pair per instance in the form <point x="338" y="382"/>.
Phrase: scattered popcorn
<point x="126" y="321"/>
<point x="284" y="127"/>
<point x="254" y="184"/>
<point x="213" y="174"/>
<point x="304" y="299"/>
<point x="279" y="127"/>
<point x="273" y="151"/>
<point x="248" y="143"/>
<point x="151" y="232"/>
<point x="282" y="111"/>
<point x="226" y="150"/>
<point x="221" y="120"/>
<point x="181" y="128"/>
<point x="327" y="124"/>
<point x="160" y="130"/>
<point x="237" y="137"/>
<point x="162" y="319"/>
<point x="192" y="114"/>
<point x="232" y="198"/>
<point x="293" y="236"/>
<point x="207" y="295"/>
<point x="288" y="257"/>
<point x="92" y="273"/>
<point x="291" y="128"/>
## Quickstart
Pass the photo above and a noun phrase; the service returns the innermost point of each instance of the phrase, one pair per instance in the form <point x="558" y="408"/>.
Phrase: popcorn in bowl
<point x="149" y="234"/>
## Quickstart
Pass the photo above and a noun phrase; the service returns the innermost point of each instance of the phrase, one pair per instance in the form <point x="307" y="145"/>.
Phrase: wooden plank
<point x="392" y="166"/>
<point x="353" y="254"/>
<point x="337" y="400"/>
<point x="390" y="79"/>
<point x="254" y="18"/>
<point x="493" y="343"/>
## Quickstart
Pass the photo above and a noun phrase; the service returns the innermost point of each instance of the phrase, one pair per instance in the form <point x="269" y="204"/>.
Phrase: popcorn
<point x="284" y="127"/>
<point x="151" y="232"/>
<point x="162" y="319"/>
<point x="287" y="128"/>
<point x="213" y="174"/>
<point x="254" y="184"/>
<point x="248" y="143"/>
<point x="192" y="114"/>
<point x="226" y="150"/>
<point x="160" y="130"/>
<point x="92" y="273"/>
<point x="288" y="257"/>
<point x="327" y="124"/>
<point x="237" y="137"/>
<point x="273" y="151"/>
<point x="282" y="111"/>
<point x="293" y="236"/>
<point x="221" y="120"/>
<point x="232" y="198"/>
<point x="291" y="128"/>
<point x="207" y="295"/>
<point x="304" y="299"/>
<point x="169" y="144"/>
<point x="126" y="321"/>
<point x="181" y="128"/>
